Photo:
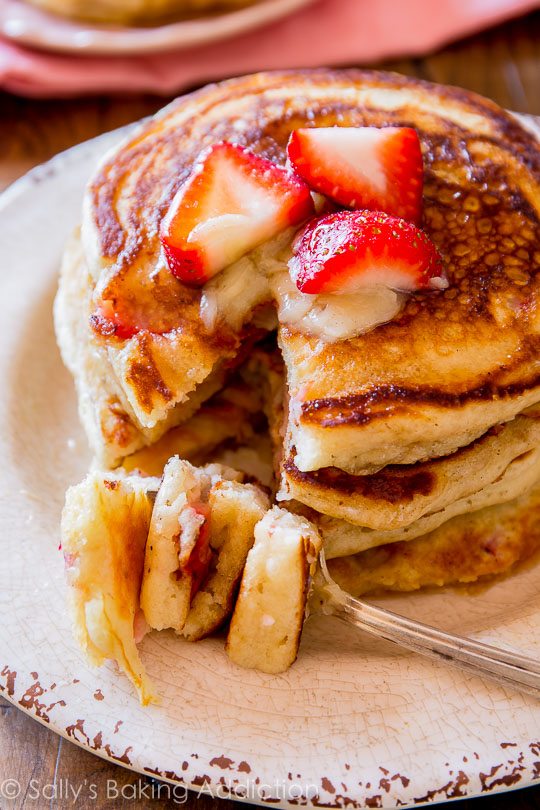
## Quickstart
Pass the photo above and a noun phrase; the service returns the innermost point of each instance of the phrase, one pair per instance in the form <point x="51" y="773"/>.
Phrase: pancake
<point x="440" y="374"/>
<point x="453" y="364"/>
<point x="112" y="428"/>
<point x="174" y="592"/>
<point x="105" y="525"/>
<point x="232" y="414"/>
<point x="400" y="495"/>
<point x="269" y="613"/>
<point x="472" y="547"/>
<point x="398" y="502"/>
<point x="234" y="510"/>
<point x="342" y="537"/>
<point x="125" y="12"/>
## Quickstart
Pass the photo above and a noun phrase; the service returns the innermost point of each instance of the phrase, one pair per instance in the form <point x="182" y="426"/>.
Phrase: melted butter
<point x="234" y="293"/>
<point x="263" y="275"/>
<point x="334" y="317"/>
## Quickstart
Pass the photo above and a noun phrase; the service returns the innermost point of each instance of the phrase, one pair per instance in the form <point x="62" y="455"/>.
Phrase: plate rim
<point x="9" y="196"/>
<point x="200" y="791"/>
<point x="63" y="35"/>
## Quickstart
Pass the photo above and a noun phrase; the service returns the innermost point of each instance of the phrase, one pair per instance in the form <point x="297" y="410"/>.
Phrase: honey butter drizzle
<point x="263" y="275"/>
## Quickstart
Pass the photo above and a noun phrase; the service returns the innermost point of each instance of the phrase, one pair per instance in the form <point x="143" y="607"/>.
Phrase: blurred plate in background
<point x="29" y="25"/>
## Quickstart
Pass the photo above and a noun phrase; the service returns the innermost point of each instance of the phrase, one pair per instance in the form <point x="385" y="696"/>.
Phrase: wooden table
<point x="504" y="64"/>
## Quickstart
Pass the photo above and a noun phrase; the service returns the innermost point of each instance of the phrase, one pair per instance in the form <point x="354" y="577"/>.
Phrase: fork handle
<point x="503" y="666"/>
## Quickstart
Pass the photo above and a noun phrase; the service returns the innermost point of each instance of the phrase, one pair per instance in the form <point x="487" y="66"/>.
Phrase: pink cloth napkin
<point x="329" y="32"/>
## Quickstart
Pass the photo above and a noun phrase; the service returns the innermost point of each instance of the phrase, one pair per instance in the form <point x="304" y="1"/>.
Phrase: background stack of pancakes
<point x="414" y="447"/>
<point x="137" y="12"/>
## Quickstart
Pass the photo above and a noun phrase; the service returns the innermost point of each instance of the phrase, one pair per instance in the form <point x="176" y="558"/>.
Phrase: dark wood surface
<point x="504" y="64"/>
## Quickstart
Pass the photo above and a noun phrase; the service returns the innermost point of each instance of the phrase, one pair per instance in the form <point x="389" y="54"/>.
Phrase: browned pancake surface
<point x="476" y="341"/>
<point x="470" y="547"/>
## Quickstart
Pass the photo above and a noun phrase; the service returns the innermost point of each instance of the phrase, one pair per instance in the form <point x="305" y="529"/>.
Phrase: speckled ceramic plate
<point x="24" y="23"/>
<point x="355" y="722"/>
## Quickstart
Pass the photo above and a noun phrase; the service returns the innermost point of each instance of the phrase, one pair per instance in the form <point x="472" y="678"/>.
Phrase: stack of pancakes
<point x="414" y="447"/>
<point x="450" y="519"/>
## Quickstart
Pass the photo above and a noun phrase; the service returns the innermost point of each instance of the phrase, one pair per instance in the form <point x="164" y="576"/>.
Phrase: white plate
<point x="355" y="722"/>
<point x="24" y="23"/>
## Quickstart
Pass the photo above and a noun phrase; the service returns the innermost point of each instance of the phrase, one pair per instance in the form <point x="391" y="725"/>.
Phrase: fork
<point x="503" y="666"/>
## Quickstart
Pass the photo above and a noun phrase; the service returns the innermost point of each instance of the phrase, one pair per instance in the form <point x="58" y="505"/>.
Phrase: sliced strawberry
<point x="232" y="202"/>
<point x="106" y="320"/>
<point x="362" y="167"/>
<point x="350" y="250"/>
<point x="200" y="558"/>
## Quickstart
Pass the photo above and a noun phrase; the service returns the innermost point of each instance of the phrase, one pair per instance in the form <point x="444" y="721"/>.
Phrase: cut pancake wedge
<point x="187" y="587"/>
<point x="105" y="524"/>
<point x="269" y="614"/>
<point x="111" y="425"/>
<point x="134" y="560"/>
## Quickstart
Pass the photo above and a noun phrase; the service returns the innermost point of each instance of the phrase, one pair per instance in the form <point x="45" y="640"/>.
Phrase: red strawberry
<point x="201" y="556"/>
<point x="232" y="202"/>
<point x="362" y="167"/>
<point x="349" y="250"/>
<point x="106" y="320"/>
